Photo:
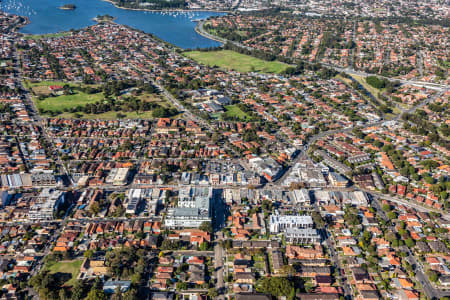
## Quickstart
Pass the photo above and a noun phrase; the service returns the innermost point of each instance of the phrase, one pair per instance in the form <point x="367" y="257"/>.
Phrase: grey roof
<point x="185" y="211"/>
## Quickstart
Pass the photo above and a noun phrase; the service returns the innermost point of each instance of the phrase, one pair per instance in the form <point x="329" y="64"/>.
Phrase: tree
<point x="89" y="253"/>
<point x="206" y="226"/>
<point x="228" y="244"/>
<point x="204" y="246"/>
<point x="96" y="294"/>
<point x="136" y="278"/>
<point x="432" y="275"/>
<point x="182" y="286"/>
<point x="318" y="220"/>
<point x="46" y="284"/>
<point x="63" y="294"/>
<point x="94" y="208"/>
<point x="386" y="208"/>
<point x="267" y="205"/>
<point x="276" y="286"/>
<point x="78" y="290"/>
<point x="292" y="294"/>
<point x="288" y="270"/>
<point x="131" y="294"/>
<point x="212" y="293"/>
<point x="117" y="294"/>
<point x="120" y="261"/>
<point x="391" y="215"/>
<point x="163" y="112"/>
<point x="409" y="242"/>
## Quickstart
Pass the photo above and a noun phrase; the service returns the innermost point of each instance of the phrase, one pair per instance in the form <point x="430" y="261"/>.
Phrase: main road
<point x="219" y="269"/>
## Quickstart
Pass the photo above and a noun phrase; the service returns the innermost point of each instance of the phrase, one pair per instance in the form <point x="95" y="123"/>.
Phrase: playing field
<point x="228" y="59"/>
<point x="45" y="83"/>
<point x="235" y="111"/>
<point x="71" y="267"/>
<point x="59" y="103"/>
<point x="42" y="87"/>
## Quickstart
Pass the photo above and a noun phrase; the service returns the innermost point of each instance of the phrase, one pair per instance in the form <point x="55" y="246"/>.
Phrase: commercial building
<point x="307" y="173"/>
<point x="302" y="235"/>
<point x="266" y="167"/>
<point x="147" y="199"/>
<point x="358" y="198"/>
<point x="134" y="198"/>
<point x="43" y="179"/>
<point x="281" y="223"/>
<point x="46" y="205"/>
<point x="13" y="181"/>
<point x="117" y="176"/>
<point x="301" y="197"/>
<point x="194" y="208"/>
<point x="337" y="180"/>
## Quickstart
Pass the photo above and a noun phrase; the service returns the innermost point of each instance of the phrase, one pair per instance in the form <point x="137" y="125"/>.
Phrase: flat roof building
<point x="301" y="197"/>
<point x="46" y="205"/>
<point x="194" y="208"/>
<point x="281" y="223"/>
<point x="302" y="235"/>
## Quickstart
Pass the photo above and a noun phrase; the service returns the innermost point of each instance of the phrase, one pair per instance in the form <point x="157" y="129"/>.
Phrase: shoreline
<point x="199" y="29"/>
<point x="169" y="10"/>
<point x="196" y="28"/>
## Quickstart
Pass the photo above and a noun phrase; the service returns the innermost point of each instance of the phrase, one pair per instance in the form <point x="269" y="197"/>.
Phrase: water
<point x="46" y="17"/>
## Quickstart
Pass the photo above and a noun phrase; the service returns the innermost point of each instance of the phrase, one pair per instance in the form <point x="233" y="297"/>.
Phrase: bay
<point x="45" y="16"/>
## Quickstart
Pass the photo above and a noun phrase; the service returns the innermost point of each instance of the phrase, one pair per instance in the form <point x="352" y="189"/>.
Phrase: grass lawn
<point x="228" y="59"/>
<point x="235" y="111"/>
<point x="68" y="267"/>
<point x="368" y="87"/>
<point x="67" y="101"/>
<point x="346" y="80"/>
<point x="372" y="90"/>
<point x="154" y="98"/>
<point x="41" y="87"/>
<point x="59" y="103"/>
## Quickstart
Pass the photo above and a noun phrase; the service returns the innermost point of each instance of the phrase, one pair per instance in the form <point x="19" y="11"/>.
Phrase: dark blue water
<point x="46" y="17"/>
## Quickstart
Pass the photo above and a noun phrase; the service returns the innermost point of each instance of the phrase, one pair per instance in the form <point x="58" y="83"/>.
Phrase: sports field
<point x="59" y="103"/>
<point x="235" y="111"/>
<point x="227" y="59"/>
<point x="71" y="267"/>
